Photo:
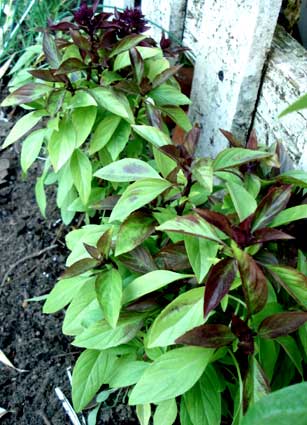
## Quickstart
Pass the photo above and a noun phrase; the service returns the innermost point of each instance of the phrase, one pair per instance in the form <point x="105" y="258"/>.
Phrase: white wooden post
<point x="170" y="15"/>
<point x="234" y="38"/>
<point x="119" y="3"/>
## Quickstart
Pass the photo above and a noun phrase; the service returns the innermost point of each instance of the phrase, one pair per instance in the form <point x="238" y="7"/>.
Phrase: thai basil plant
<point x="182" y="293"/>
<point x="96" y="77"/>
<point x="187" y="286"/>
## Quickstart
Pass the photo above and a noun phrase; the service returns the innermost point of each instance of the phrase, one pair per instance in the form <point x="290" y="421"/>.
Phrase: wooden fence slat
<point x="119" y="3"/>
<point x="284" y="82"/>
<point x="170" y="15"/>
<point x="233" y="42"/>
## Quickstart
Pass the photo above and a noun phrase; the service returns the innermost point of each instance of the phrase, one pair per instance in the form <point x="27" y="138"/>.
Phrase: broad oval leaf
<point x="281" y="324"/>
<point x="166" y="94"/>
<point x="137" y="195"/>
<point x="153" y="135"/>
<point x="109" y="294"/>
<point x="101" y="336"/>
<point x="127" y="170"/>
<point x="143" y="413"/>
<point x="289" y="215"/>
<point x="150" y="282"/>
<point x="26" y="94"/>
<point x="233" y="157"/>
<point x="243" y="201"/>
<point x="133" y="231"/>
<point x="218" y="283"/>
<point x="80" y="267"/>
<point x="113" y="102"/>
<point x="51" y="51"/>
<point x="294" y="282"/>
<point x="83" y="120"/>
<point x="127" y="372"/>
<point x="25" y="124"/>
<point x="63" y="293"/>
<point x="295" y="177"/>
<point x="280" y="408"/>
<point x="31" y="148"/>
<point x="181" y="315"/>
<point x="103" y="132"/>
<point x="123" y="59"/>
<point x="208" y="336"/>
<point x="91" y="371"/>
<point x="81" y="170"/>
<point x="171" y="375"/>
<point x="166" y="413"/>
<point x="127" y="43"/>
<point x="203" y="401"/>
<point x="190" y="225"/>
<point x="202" y="254"/>
<point x="62" y="144"/>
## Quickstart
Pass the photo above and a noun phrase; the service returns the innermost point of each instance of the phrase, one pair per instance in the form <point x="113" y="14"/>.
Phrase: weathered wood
<point x="119" y="3"/>
<point x="168" y="15"/>
<point x="284" y="82"/>
<point x="233" y="42"/>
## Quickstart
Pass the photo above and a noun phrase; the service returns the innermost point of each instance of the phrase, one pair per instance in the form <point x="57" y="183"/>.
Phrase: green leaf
<point x="256" y="385"/>
<point x="91" y="371"/>
<point x="63" y="293"/>
<point x="184" y="414"/>
<point x="232" y="157"/>
<point x="290" y="346"/>
<point x="83" y="120"/>
<point x="153" y="135"/>
<point x="166" y="412"/>
<point x="81" y="170"/>
<point x="119" y="140"/>
<point x="168" y="95"/>
<point x="26" y="94"/>
<point x="298" y="105"/>
<point x="178" y="116"/>
<point x="126" y="170"/>
<point x="104" y="132"/>
<point x="51" y="51"/>
<point x="127" y="373"/>
<point x="109" y="294"/>
<point x="22" y="126"/>
<point x="203" y="173"/>
<point x="190" y="225"/>
<point x="295" y="177"/>
<point x="164" y="163"/>
<point x="294" y="282"/>
<point x="83" y="310"/>
<point x="150" y="282"/>
<point x="203" y="401"/>
<point x="62" y="144"/>
<point x="133" y="231"/>
<point x="100" y="335"/>
<point x="180" y="316"/>
<point x="40" y="195"/>
<point x="123" y="59"/>
<point x="127" y="43"/>
<point x="65" y="183"/>
<point x="243" y="201"/>
<point x="113" y="101"/>
<point x="282" y="407"/>
<point x="171" y="375"/>
<point x="143" y="412"/>
<point x="31" y="148"/>
<point x="202" y="255"/>
<point x="289" y="215"/>
<point x="137" y="195"/>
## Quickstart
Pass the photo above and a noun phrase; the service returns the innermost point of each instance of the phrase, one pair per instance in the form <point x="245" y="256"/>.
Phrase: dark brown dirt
<point x="29" y="339"/>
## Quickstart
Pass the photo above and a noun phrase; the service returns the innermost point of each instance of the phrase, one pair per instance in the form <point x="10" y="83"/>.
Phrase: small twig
<point x="26" y="258"/>
<point x="44" y="418"/>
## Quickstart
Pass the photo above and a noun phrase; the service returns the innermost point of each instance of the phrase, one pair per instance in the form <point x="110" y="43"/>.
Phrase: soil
<point x="29" y="339"/>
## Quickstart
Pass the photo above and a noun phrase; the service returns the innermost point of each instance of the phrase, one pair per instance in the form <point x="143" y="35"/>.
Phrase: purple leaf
<point x="244" y="334"/>
<point x="173" y="257"/>
<point x="254" y="282"/>
<point x="218" y="283"/>
<point x="231" y="139"/>
<point x="218" y="220"/>
<point x="165" y="75"/>
<point x="139" y="260"/>
<point x="281" y="324"/>
<point x="80" y="267"/>
<point x="272" y="204"/>
<point x="267" y="235"/>
<point x="70" y="65"/>
<point x="208" y="336"/>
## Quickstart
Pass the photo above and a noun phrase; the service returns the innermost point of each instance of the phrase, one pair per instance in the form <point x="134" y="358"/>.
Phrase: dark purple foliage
<point x="130" y="21"/>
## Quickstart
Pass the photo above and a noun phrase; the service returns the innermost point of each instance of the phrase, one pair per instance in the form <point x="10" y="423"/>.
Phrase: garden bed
<point x="31" y="340"/>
